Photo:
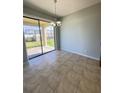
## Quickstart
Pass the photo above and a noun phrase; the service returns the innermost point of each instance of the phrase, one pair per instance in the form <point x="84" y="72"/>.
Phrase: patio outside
<point x="34" y="48"/>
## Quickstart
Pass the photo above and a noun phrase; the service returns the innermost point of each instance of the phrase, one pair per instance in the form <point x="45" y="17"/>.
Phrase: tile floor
<point x="61" y="72"/>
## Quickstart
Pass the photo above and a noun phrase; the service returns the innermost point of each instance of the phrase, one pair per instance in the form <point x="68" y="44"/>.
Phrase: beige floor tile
<point x="61" y="72"/>
<point x="87" y="86"/>
<point x="54" y="80"/>
<point x="73" y="78"/>
<point x="66" y="87"/>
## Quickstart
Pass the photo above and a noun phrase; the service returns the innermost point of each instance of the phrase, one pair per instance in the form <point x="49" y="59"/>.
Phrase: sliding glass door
<point x="47" y="36"/>
<point x="32" y="37"/>
<point x="39" y="37"/>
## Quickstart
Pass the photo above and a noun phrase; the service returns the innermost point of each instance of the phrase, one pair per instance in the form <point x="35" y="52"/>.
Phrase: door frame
<point x="40" y="37"/>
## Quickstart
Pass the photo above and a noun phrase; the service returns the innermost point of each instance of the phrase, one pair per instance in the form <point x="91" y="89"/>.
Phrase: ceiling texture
<point x="64" y="7"/>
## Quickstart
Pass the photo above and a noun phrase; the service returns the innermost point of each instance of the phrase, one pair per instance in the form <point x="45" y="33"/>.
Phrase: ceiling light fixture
<point x="57" y="22"/>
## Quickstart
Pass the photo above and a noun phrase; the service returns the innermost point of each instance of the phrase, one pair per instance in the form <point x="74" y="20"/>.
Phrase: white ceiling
<point x="64" y="7"/>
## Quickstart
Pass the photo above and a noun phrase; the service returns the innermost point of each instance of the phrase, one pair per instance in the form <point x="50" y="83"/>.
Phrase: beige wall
<point x="81" y="32"/>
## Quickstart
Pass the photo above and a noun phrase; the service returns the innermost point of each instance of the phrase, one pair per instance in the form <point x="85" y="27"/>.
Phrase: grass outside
<point x="38" y="43"/>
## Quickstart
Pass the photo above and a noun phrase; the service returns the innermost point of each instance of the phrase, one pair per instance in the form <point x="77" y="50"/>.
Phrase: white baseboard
<point x="82" y="55"/>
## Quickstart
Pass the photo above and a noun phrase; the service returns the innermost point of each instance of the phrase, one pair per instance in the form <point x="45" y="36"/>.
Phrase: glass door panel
<point x="47" y="32"/>
<point x="32" y="37"/>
